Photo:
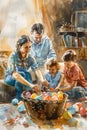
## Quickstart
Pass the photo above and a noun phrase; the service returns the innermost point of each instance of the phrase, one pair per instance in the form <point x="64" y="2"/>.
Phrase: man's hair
<point x="38" y="28"/>
<point x="69" y="55"/>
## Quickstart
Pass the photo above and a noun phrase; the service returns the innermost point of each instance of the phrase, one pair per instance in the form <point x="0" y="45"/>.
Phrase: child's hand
<point x="56" y="88"/>
<point x="45" y="83"/>
<point x="52" y="89"/>
<point x="59" y="89"/>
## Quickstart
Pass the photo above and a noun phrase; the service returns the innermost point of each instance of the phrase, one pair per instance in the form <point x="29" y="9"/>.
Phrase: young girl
<point x="77" y="85"/>
<point x="53" y="75"/>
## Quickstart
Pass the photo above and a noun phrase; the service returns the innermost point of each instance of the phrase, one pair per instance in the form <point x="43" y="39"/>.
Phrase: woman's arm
<point x="19" y="78"/>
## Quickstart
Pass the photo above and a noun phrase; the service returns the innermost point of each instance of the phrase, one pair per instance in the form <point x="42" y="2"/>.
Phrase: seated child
<point x="77" y="85"/>
<point x="53" y="75"/>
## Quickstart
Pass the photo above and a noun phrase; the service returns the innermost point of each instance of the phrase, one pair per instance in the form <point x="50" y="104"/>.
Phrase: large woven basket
<point x="44" y="109"/>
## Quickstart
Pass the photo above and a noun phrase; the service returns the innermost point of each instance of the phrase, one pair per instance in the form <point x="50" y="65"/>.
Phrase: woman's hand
<point x="36" y="88"/>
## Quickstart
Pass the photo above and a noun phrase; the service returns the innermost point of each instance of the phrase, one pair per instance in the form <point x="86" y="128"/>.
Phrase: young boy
<point x="53" y="75"/>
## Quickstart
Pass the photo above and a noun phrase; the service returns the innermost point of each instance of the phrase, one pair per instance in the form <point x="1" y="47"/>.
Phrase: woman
<point x="19" y="62"/>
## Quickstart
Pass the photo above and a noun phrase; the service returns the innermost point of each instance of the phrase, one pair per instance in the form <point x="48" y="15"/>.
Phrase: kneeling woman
<point x="19" y="62"/>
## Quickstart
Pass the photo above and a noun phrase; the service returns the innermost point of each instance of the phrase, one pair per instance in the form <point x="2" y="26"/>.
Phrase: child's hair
<point x="51" y="63"/>
<point x="69" y="55"/>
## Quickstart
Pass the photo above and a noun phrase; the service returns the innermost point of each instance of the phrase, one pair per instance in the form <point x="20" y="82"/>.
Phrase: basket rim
<point x="45" y="101"/>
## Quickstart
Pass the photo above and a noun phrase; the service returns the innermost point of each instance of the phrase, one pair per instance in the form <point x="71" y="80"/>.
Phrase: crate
<point x="44" y="109"/>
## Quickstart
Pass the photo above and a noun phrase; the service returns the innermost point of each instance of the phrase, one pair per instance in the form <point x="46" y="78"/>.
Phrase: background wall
<point x="17" y="16"/>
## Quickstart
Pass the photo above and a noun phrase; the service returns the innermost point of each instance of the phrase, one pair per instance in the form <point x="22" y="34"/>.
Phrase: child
<point x="53" y="75"/>
<point x="77" y="85"/>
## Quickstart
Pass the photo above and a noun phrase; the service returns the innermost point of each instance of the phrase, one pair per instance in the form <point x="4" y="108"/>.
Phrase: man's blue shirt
<point x="42" y="51"/>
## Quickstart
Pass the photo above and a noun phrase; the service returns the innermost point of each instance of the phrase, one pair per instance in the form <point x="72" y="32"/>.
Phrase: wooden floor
<point x="36" y="125"/>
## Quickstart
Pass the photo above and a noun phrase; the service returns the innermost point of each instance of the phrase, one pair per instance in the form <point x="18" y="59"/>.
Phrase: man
<point x="41" y="48"/>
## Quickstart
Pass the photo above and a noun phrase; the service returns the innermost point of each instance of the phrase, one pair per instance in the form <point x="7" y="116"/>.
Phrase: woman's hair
<point x="38" y="28"/>
<point x="22" y="40"/>
<point x="51" y="63"/>
<point x="69" y="55"/>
